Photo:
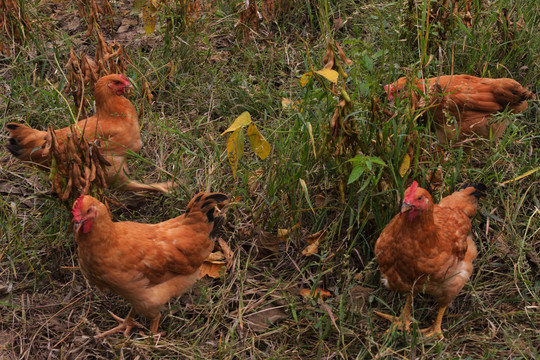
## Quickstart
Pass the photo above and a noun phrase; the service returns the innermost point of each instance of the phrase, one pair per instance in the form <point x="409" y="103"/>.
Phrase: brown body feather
<point x="464" y="105"/>
<point x="147" y="264"/>
<point x="429" y="247"/>
<point x="115" y="125"/>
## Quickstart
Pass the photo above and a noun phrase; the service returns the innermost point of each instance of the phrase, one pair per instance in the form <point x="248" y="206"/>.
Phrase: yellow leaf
<point x="329" y="74"/>
<point x="149" y="18"/>
<point x="305" y="78"/>
<point x="235" y="149"/>
<point x="405" y="165"/>
<point x="242" y="121"/>
<point x="284" y="233"/>
<point x="258" y="142"/>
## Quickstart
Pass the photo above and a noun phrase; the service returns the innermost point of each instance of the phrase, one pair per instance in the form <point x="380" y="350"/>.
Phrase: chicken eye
<point x="419" y="198"/>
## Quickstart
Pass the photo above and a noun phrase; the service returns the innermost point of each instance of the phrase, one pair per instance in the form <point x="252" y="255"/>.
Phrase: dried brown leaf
<point x="319" y="294"/>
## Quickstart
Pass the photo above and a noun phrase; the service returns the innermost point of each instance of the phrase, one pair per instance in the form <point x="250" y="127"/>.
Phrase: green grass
<point x="203" y="77"/>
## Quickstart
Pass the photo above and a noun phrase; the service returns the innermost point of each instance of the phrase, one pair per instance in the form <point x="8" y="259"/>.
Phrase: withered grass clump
<point x="14" y="24"/>
<point x="84" y="71"/>
<point x="78" y="167"/>
<point x="94" y="13"/>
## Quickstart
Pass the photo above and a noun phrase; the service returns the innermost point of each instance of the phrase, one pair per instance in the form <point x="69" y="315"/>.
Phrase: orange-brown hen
<point x="146" y="264"/>
<point x="429" y="248"/>
<point x="115" y="124"/>
<point x="462" y="105"/>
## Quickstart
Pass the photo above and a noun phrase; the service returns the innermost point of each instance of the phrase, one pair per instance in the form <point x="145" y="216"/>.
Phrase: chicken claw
<point x="402" y="322"/>
<point x="435" y="329"/>
<point x="124" y="325"/>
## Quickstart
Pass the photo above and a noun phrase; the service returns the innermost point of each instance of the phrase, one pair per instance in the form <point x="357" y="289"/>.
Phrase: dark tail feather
<point x="480" y="189"/>
<point x="14" y="145"/>
<point x="206" y="203"/>
<point x="23" y="141"/>
<point x="218" y="224"/>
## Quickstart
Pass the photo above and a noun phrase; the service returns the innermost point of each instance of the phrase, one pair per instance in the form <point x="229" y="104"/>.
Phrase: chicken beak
<point x="77" y="225"/>
<point x="406" y="207"/>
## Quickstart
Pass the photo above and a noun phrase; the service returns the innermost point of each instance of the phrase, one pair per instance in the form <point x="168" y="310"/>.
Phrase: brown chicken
<point x="115" y="124"/>
<point x="429" y="248"/>
<point x="462" y="105"/>
<point x="146" y="264"/>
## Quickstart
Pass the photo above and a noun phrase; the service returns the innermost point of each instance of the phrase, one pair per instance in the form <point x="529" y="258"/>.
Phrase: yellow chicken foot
<point x="435" y="328"/>
<point x="124" y="325"/>
<point x="402" y="322"/>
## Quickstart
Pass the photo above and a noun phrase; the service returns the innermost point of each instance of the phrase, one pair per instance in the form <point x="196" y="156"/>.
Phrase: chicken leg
<point x="134" y="186"/>
<point x="402" y="322"/>
<point x="435" y="328"/>
<point x="123" y="182"/>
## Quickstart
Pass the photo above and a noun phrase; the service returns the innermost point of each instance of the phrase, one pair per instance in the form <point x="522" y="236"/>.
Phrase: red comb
<point x="409" y="193"/>
<point x="77" y="207"/>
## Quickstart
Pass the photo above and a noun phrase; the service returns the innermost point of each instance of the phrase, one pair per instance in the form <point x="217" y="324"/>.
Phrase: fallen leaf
<point x="281" y="233"/>
<point x="317" y="237"/>
<point x="268" y="241"/>
<point x="320" y="200"/>
<point x="266" y="317"/>
<point x="214" y="265"/>
<point x="319" y="294"/>
<point x="227" y="252"/>
<point x="314" y="241"/>
<point x="311" y="249"/>
<point x="212" y="269"/>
